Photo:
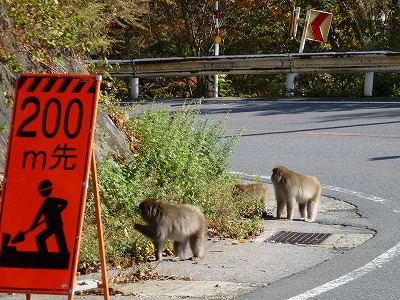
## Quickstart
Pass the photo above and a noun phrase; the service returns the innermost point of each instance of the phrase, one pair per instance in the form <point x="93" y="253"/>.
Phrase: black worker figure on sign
<point x="49" y="220"/>
<point x="51" y="211"/>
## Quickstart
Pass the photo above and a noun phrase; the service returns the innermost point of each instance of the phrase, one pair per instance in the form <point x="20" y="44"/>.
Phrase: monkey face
<point x="277" y="173"/>
<point x="149" y="209"/>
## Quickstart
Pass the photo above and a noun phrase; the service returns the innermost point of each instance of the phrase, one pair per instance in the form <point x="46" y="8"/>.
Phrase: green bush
<point x="180" y="157"/>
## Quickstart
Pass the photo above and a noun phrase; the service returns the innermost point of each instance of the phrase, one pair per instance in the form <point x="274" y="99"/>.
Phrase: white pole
<point x="303" y="37"/>
<point x="296" y="19"/>
<point x="291" y="77"/>
<point x="290" y="84"/>
<point x="216" y="46"/>
<point x="216" y="75"/>
<point x="134" y="88"/>
<point x="368" y="84"/>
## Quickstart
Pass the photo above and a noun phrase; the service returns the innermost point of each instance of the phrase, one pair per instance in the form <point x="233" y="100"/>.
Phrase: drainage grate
<point x="298" y="238"/>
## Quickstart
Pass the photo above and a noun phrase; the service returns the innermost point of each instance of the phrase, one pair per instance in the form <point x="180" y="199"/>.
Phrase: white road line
<point x="378" y="262"/>
<point x="390" y="204"/>
<point x="355" y="193"/>
<point x="250" y="175"/>
<point x="374" y="264"/>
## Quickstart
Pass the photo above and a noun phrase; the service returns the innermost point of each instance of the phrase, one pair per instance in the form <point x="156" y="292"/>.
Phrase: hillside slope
<point x="108" y="137"/>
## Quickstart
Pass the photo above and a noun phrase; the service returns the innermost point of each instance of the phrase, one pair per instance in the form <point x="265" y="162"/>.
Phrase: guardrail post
<point x="368" y="84"/>
<point x="291" y="77"/>
<point x="290" y="87"/>
<point x="215" y="94"/>
<point x="134" y="88"/>
<point x="210" y="86"/>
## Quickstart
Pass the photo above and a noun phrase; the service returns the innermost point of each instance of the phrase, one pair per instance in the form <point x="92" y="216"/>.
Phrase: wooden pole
<point x="104" y="284"/>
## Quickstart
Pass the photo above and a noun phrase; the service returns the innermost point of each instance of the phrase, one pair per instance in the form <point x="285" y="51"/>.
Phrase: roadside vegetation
<point x="178" y="157"/>
<point x="182" y="156"/>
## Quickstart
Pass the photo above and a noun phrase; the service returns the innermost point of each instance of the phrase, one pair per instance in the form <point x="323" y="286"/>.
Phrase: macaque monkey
<point x="181" y="223"/>
<point x="255" y="190"/>
<point x="291" y="187"/>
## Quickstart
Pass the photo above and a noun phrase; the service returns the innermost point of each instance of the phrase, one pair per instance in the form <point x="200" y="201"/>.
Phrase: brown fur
<point x="291" y="187"/>
<point x="256" y="190"/>
<point x="181" y="223"/>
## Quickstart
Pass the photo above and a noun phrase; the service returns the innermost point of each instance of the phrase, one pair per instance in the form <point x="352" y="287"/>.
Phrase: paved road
<point x="354" y="149"/>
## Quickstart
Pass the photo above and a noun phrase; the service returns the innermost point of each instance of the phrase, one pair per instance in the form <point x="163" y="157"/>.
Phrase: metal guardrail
<point x="328" y="62"/>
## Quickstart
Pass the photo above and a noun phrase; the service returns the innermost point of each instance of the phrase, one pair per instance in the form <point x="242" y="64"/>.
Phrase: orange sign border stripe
<point x="60" y="99"/>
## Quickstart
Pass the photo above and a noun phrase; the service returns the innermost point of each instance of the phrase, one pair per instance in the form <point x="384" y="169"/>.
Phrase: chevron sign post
<point x="316" y="28"/>
<point x="318" y="24"/>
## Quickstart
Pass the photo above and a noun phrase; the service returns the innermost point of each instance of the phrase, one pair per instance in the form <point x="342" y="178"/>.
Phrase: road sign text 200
<point x="53" y="105"/>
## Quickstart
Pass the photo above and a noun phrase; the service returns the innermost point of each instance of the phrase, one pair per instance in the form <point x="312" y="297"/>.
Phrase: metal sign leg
<point x="96" y="194"/>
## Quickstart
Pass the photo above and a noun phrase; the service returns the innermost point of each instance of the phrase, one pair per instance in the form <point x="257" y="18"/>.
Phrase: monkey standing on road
<point x="291" y="187"/>
<point x="181" y="223"/>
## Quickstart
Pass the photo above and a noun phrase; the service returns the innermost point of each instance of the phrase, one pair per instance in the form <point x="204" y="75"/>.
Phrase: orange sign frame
<point x="45" y="182"/>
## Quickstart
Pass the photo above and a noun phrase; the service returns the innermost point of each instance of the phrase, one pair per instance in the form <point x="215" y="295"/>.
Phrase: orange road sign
<point x="45" y="182"/>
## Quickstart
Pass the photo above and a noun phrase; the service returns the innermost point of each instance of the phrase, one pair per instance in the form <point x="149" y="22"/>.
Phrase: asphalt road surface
<point x="353" y="147"/>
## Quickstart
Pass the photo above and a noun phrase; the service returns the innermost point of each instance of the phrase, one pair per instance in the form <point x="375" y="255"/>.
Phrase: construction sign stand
<point x="316" y="28"/>
<point x="104" y="284"/>
<point x="86" y="285"/>
<point x="50" y="153"/>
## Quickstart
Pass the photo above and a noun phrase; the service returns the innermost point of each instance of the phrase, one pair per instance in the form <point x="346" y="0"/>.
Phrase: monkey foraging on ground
<point x="255" y="190"/>
<point x="181" y="223"/>
<point x="291" y="187"/>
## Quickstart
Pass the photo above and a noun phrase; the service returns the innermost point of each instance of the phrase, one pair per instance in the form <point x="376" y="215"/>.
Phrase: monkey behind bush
<point x="255" y="190"/>
<point x="291" y="187"/>
<point x="182" y="223"/>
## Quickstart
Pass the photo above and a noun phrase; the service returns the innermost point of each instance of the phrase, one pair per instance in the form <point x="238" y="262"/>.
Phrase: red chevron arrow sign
<point x="318" y="25"/>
